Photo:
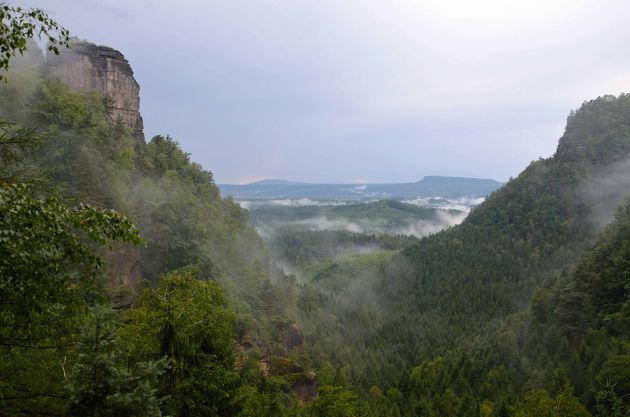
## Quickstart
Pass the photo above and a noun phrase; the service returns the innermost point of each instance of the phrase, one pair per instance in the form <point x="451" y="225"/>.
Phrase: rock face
<point x="88" y="67"/>
<point x="303" y="383"/>
<point x="290" y="337"/>
<point x="122" y="264"/>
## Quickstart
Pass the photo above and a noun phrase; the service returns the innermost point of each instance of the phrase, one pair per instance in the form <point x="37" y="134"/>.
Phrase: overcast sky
<point x="361" y="90"/>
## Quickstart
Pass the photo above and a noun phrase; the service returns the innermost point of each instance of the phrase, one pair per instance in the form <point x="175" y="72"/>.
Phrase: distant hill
<point x="430" y="186"/>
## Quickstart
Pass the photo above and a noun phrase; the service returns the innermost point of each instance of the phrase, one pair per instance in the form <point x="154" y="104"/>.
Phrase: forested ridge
<point x="175" y="321"/>
<point x="129" y="286"/>
<point x="450" y="289"/>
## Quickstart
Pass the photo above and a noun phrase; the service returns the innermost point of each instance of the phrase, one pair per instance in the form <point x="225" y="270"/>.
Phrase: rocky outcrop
<point x="303" y="383"/>
<point x="290" y="337"/>
<point x="288" y="340"/>
<point x="89" y="67"/>
<point x="122" y="264"/>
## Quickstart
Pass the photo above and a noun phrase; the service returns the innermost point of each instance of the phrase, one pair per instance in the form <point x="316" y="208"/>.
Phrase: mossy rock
<point x="283" y="366"/>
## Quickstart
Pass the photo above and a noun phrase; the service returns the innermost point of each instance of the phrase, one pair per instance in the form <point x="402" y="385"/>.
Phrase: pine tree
<point x="103" y="383"/>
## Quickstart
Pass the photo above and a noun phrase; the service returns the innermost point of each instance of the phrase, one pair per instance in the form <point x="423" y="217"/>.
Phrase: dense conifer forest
<point x="130" y="287"/>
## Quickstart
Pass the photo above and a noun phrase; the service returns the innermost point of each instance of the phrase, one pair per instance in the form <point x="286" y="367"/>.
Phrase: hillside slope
<point x="85" y="156"/>
<point x="457" y="285"/>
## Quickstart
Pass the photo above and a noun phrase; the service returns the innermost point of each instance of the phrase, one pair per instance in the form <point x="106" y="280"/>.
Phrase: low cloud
<point x="464" y="204"/>
<point x="418" y="228"/>
<point x="605" y="191"/>
<point x="289" y="202"/>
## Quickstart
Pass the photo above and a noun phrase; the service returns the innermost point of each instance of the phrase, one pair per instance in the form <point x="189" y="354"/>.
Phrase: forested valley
<point x="129" y="286"/>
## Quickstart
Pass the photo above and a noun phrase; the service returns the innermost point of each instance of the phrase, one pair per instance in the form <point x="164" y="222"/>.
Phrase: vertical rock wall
<point x="88" y="67"/>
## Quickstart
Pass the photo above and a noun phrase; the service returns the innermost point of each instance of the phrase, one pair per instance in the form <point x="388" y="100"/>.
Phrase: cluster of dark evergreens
<point x="129" y="287"/>
<point x="302" y="247"/>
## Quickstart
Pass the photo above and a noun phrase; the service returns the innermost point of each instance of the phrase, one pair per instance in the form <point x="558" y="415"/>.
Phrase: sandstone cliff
<point x="88" y="67"/>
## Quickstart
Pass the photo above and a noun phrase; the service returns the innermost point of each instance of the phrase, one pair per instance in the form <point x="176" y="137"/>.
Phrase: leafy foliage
<point x="18" y="25"/>
<point x="336" y="402"/>
<point x="49" y="275"/>
<point x="15" y="141"/>
<point x="46" y="269"/>
<point x="185" y="321"/>
<point x="103" y="383"/>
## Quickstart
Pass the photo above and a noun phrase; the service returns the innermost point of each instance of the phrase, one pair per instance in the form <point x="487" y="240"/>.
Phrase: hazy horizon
<point x="361" y="91"/>
<point x="289" y="180"/>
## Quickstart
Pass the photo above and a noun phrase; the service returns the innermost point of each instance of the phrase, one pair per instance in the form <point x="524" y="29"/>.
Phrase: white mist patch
<point x="605" y="191"/>
<point x="287" y="268"/>
<point x="417" y="228"/>
<point x="447" y="212"/>
<point x="362" y="190"/>
<point x="464" y="204"/>
<point x="289" y="202"/>
<point x="343" y="251"/>
<point x="325" y="223"/>
<point x="443" y="221"/>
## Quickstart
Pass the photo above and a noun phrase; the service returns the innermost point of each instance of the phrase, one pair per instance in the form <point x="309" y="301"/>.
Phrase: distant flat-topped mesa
<point x="89" y="67"/>
<point x="431" y="186"/>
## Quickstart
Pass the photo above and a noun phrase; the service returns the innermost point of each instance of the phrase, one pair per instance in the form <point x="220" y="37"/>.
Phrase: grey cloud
<point x="385" y="91"/>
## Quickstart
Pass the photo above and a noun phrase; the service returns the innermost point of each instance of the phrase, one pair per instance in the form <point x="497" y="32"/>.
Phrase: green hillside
<point x="188" y="230"/>
<point x="455" y="286"/>
<point x="130" y="287"/>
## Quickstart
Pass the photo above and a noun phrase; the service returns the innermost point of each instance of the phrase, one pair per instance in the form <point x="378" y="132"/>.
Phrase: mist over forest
<point x="132" y="284"/>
